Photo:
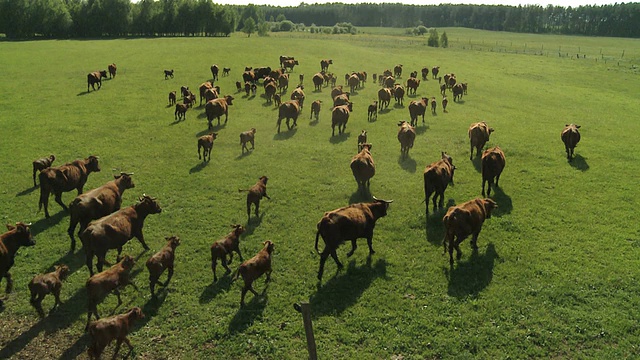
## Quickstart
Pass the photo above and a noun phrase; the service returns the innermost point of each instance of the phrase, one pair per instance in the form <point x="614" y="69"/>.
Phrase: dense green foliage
<point x="556" y="273"/>
<point x="21" y="19"/>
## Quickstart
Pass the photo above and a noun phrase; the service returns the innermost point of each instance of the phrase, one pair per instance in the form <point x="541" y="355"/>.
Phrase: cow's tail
<point x="241" y="190"/>
<point x="236" y="274"/>
<point x="317" y="236"/>
<point x="45" y="189"/>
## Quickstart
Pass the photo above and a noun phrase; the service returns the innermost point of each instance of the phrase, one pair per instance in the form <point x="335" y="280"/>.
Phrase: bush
<point x="433" y="38"/>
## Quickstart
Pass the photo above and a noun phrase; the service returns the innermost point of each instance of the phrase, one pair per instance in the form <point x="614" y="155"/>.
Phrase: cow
<point x="434" y="104"/>
<point x="463" y="220"/>
<point x="283" y="83"/>
<point x="206" y="143"/>
<point x="372" y="111"/>
<point x="437" y="176"/>
<point x="425" y="73"/>
<point x="97" y="203"/>
<point x="570" y="137"/>
<point x="112" y="70"/>
<point x="324" y="64"/>
<point x="492" y="165"/>
<point x="363" y="167"/>
<point x="284" y="58"/>
<point x="41" y="164"/>
<point x="412" y="85"/>
<point x="389" y="82"/>
<point x="458" y="90"/>
<point x="65" y="178"/>
<point x="255" y="194"/>
<point x="238" y="86"/>
<point x="417" y="108"/>
<point x="249" y="76"/>
<point x="444" y="103"/>
<point x="224" y="248"/>
<point x="289" y="110"/>
<point x="397" y="71"/>
<point x="362" y="139"/>
<point x="168" y="73"/>
<point x="384" y="98"/>
<point x="342" y="99"/>
<point x="117" y="327"/>
<point x="464" y="87"/>
<point x="318" y="80"/>
<point x="443" y="89"/>
<point x="94" y="78"/>
<point x="261" y="72"/>
<point x="478" y="136"/>
<point x="218" y="107"/>
<point x="270" y="90"/>
<point x="161" y="261"/>
<point x="214" y="72"/>
<point x="211" y="94"/>
<point x="301" y="78"/>
<point x="172" y="98"/>
<point x="247" y="88"/>
<point x="277" y="100"/>
<point x="298" y="94"/>
<point x="289" y="64"/>
<point x="49" y="283"/>
<point x="406" y="137"/>
<point x="434" y="71"/>
<point x="340" y="117"/>
<point x="337" y="91"/>
<point x="226" y="71"/>
<point x="203" y="89"/>
<point x="398" y="94"/>
<point x="413" y="74"/>
<point x="253" y="268"/>
<point x="248" y="136"/>
<point x="181" y="112"/>
<point x="354" y="82"/>
<point x="315" y="109"/>
<point x="116" y="229"/>
<point x="348" y="223"/>
<point x="16" y="236"/>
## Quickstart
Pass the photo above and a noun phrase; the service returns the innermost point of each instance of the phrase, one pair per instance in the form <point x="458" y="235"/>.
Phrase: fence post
<point x="305" y="309"/>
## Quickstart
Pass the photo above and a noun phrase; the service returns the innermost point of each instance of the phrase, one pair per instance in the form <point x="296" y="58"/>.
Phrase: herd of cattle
<point x="104" y="225"/>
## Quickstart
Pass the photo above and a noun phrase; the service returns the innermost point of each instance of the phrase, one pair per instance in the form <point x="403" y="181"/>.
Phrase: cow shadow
<point x="215" y="288"/>
<point x="433" y="223"/>
<point x="285" y="135"/>
<point x="82" y="93"/>
<point x="407" y="164"/>
<point x="314" y="122"/>
<point x="343" y="290"/>
<point x="363" y="194"/>
<point x="44" y="223"/>
<point x="152" y="306"/>
<point x="579" y="163"/>
<point x="422" y="129"/>
<point x="252" y="311"/>
<point x="27" y="191"/>
<point x="74" y="261"/>
<point x="477" y="162"/>
<point x="461" y="102"/>
<point x="244" y="154"/>
<point x="78" y="347"/>
<point x="340" y="138"/>
<point x="398" y="106"/>
<point x="469" y="278"/>
<point x="169" y="106"/>
<point x="175" y="122"/>
<point x="384" y="111"/>
<point x="505" y="205"/>
<point x="214" y="128"/>
<point x="267" y="104"/>
<point x="202" y="115"/>
<point x="253" y="222"/>
<point x="198" y="167"/>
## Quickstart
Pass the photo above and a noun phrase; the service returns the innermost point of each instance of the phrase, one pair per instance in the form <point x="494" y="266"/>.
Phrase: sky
<point x="565" y="3"/>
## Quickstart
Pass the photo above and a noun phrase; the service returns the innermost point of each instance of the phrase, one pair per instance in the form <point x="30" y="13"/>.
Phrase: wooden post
<point x="305" y="309"/>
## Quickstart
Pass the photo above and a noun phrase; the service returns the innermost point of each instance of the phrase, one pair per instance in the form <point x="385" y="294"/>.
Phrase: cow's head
<point x="22" y="234"/>
<point x="125" y="180"/>
<point x="268" y="245"/>
<point x="136" y="313"/>
<point x="238" y="229"/>
<point x="63" y="271"/>
<point x="489" y="205"/>
<point x="366" y="146"/>
<point x="103" y="74"/>
<point x="173" y="241"/>
<point x="449" y="159"/>
<point x="127" y="262"/>
<point x="92" y="164"/>
<point x="149" y="204"/>
<point x="214" y="135"/>
<point x="264" y="179"/>
<point x="52" y="158"/>
<point x="229" y="99"/>
<point x="381" y="210"/>
<point x="350" y="106"/>
<point x="572" y="126"/>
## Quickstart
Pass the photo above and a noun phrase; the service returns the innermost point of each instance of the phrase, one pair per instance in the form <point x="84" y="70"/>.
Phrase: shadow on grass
<point x="344" y="290"/>
<point x="215" y="288"/>
<point x="151" y="307"/>
<point x="579" y="163"/>
<point x="198" y="167"/>
<point x="73" y="260"/>
<point x="176" y="122"/>
<point x="407" y="164"/>
<point x="214" y="128"/>
<point x="422" y="129"/>
<point x="433" y="223"/>
<point x="202" y="115"/>
<point x="477" y="162"/>
<point x="83" y="93"/>
<point x="252" y="311"/>
<point x="44" y="223"/>
<point x="470" y="277"/>
<point x="505" y="205"/>
<point x="27" y="191"/>
<point x="78" y="347"/>
<point x="398" y="106"/>
<point x="314" y="122"/>
<point x="244" y="154"/>
<point x="286" y="134"/>
<point x="340" y="138"/>
<point x="361" y="195"/>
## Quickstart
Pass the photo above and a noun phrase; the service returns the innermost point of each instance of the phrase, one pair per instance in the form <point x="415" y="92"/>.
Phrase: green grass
<point x="556" y="273"/>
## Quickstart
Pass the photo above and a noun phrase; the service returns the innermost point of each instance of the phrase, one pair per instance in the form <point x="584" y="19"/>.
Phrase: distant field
<point x="556" y="274"/>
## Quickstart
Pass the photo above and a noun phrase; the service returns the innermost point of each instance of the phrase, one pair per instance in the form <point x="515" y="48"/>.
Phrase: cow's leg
<point x="56" y="295"/>
<point x="252" y="144"/>
<point x="169" y="276"/>
<point x="153" y="279"/>
<point x="370" y="243"/>
<point x="116" y="292"/>
<point x="239" y="255"/>
<point x="9" y="287"/>
<point x="257" y="207"/>
<point x="353" y="248"/>
<point x="248" y="210"/>
<point x="244" y="292"/>
<point x="89" y="260"/>
<point x="489" y="185"/>
<point x="441" y="203"/>
<point x="451" y="241"/>
<point x="483" y="182"/>
<point x="474" y="240"/>
<point x="323" y="259"/>
<point x="34" y="177"/>
<point x="71" y="230"/>
<point x="225" y="265"/>
<point x="126" y="341"/>
<point x="214" y="262"/>
<point x="140" y="238"/>
<point x="115" y="353"/>
<point x="58" y="198"/>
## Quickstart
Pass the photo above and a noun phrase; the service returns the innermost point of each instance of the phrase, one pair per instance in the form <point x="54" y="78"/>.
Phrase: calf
<point x="49" y="283"/>
<point x="10" y="242"/>
<point x="444" y="104"/>
<point x="172" y="98"/>
<point x="112" y="70"/>
<point x="238" y="86"/>
<point x="253" y="268"/>
<point x="315" y="109"/>
<point x="112" y="280"/>
<point x="255" y="194"/>
<point x="41" y="164"/>
<point x="104" y="331"/>
<point x="168" y="73"/>
<point x="570" y="137"/>
<point x="206" y="143"/>
<point x="160" y="261"/>
<point x="226" y="71"/>
<point x="362" y="167"/>
<point x="406" y="137"/>
<point x="340" y="117"/>
<point x="372" y="112"/>
<point x="181" y="112"/>
<point x="478" y="136"/>
<point x="464" y="220"/>
<point x="225" y="247"/>
<point x="437" y="177"/>
<point x="247" y="136"/>
<point x="277" y="100"/>
<point x="216" y="108"/>
<point x="362" y="139"/>
<point x="492" y="165"/>
<point x="434" y="103"/>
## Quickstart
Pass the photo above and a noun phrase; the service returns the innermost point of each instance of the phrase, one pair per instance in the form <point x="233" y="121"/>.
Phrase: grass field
<point x="556" y="274"/>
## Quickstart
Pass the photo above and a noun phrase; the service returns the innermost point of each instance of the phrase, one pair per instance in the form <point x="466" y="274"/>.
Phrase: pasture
<point x="556" y="273"/>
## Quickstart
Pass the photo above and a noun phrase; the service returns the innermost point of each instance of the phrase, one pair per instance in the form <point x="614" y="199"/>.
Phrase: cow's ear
<point x="10" y="227"/>
<point x="577" y="126"/>
<point x="566" y="124"/>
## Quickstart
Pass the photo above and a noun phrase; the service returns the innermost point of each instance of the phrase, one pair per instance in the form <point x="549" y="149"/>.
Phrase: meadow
<point x="556" y="273"/>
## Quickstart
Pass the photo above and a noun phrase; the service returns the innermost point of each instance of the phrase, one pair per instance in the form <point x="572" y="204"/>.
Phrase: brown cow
<point x="324" y="64"/>
<point x="384" y="98"/>
<point x="112" y="70"/>
<point x="298" y="94"/>
<point x="406" y="137"/>
<point x="434" y="104"/>
<point x="363" y="167"/>
<point x="412" y="86"/>
<point x="478" y="136"/>
<point x="284" y="58"/>
<point x="315" y="109"/>
<point x="348" y="223"/>
<point x="248" y="136"/>
<point x="464" y="220"/>
<point x="362" y="139"/>
<point x="340" y="117"/>
<point x="160" y="261"/>
<point x="443" y="89"/>
<point x="253" y="268"/>
<point x="372" y="111"/>
<point x="181" y="111"/>
<point x="425" y="73"/>
<point x="238" y="86"/>
<point x="389" y="82"/>
<point x="434" y="71"/>
<point x="94" y="78"/>
<point x="168" y="73"/>
<point x="289" y="64"/>
<point x="289" y="110"/>
<point x="218" y="107"/>
<point x="41" y="164"/>
<point x="211" y="94"/>
<point x="49" y="283"/>
<point x="255" y="194"/>
<point x="203" y="88"/>
<point x="398" y="94"/>
<point x="397" y="71"/>
<point x="354" y="82"/>
<point x="318" y="80"/>
<point x="277" y="100"/>
<point x="226" y="71"/>
<point x="492" y="165"/>
<point x="206" y="143"/>
<point x="417" y="108"/>
<point x="458" y="90"/>
<point x="97" y="203"/>
<point x="342" y="99"/>
<point x="570" y="137"/>
<point x="10" y="242"/>
<point x="270" y="90"/>
<point x="172" y="98"/>
<point x="283" y="83"/>
<point x="437" y="177"/>
<point x="65" y="178"/>
<point x="444" y="103"/>
<point x="214" y="71"/>
<point x="116" y="229"/>
<point x="225" y="247"/>
<point x="103" y="331"/>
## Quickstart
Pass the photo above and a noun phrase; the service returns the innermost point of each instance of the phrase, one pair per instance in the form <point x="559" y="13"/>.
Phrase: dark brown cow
<point x="96" y="78"/>
<point x="342" y="99"/>
<point x="262" y="72"/>
<point x="434" y="71"/>
<point x="464" y="220"/>
<point x="570" y="137"/>
<point x="340" y="117"/>
<point x="397" y="71"/>
<point x="10" y="242"/>
<point x="248" y="136"/>
<point x="337" y="91"/>
<point x="362" y="139"/>
<point x="218" y="107"/>
<point x="65" y="178"/>
<point x="41" y="164"/>
<point x="434" y="104"/>
<point x="203" y="89"/>
<point x="348" y="223"/>
<point x="103" y="331"/>
<point x="224" y="248"/>
<point x="97" y="203"/>
<point x="318" y="80"/>
<point x="417" y="108"/>
<point x="298" y="94"/>
<point x="412" y="86"/>
<point x="253" y="268"/>
<point x="226" y="71"/>
<point x="425" y="73"/>
<point x="443" y="89"/>
<point x="398" y="94"/>
<point x="324" y="64"/>
<point x="444" y="104"/>
<point x="384" y="98"/>
<point x="161" y="261"/>
<point x="363" y="167"/>
<point x="354" y="82"/>
<point x="437" y="177"/>
<point x="205" y="142"/>
<point x="50" y="283"/>
<point x="492" y="165"/>
<point x="238" y="86"/>
<point x="270" y="90"/>
<point x="214" y="71"/>
<point x="255" y="194"/>
<point x="289" y="110"/>
<point x="458" y="90"/>
<point x="249" y="76"/>
<point x="116" y="229"/>
<point x="284" y="58"/>
<point x="112" y="70"/>
<point x="172" y="98"/>
<point x="406" y="137"/>
<point x="283" y="83"/>
<point x="289" y="64"/>
<point x="372" y="111"/>
<point x="478" y="136"/>
<point x="181" y="111"/>
<point x="168" y="73"/>
<point x="315" y="109"/>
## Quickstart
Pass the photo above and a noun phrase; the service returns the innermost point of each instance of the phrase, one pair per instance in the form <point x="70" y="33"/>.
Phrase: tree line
<point x="23" y="19"/>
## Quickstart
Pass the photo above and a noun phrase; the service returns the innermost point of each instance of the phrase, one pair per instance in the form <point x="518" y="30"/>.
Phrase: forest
<point x="25" y="19"/>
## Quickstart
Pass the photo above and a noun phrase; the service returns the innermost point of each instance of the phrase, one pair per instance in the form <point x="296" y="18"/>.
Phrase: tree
<point x="444" y="40"/>
<point x="249" y="26"/>
<point x="281" y="18"/>
<point x="421" y="30"/>
<point x="286" y="25"/>
<point x="263" y="29"/>
<point x="433" y="38"/>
